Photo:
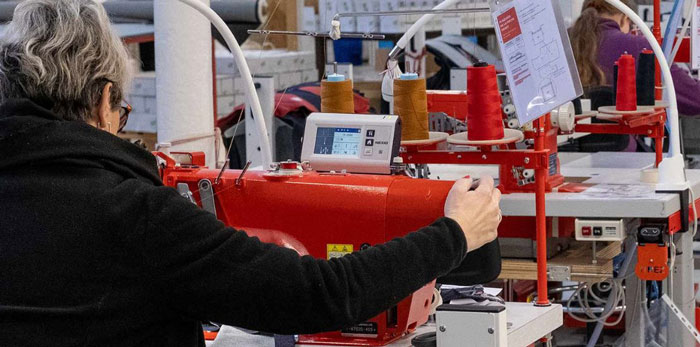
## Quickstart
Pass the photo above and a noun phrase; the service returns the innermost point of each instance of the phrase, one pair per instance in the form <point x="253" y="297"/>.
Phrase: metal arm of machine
<point x="409" y="12"/>
<point x="251" y="94"/>
<point x="364" y="36"/>
<point x="230" y="11"/>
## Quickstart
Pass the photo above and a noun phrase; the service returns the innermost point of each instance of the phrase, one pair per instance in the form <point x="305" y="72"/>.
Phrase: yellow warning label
<point x="337" y="250"/>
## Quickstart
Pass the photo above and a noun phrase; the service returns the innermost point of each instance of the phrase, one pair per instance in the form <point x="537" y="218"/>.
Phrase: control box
<point x="355" y="143"/>
<point x="600" y="230"/>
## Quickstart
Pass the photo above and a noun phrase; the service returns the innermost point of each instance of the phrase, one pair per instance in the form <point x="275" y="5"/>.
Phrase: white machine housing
<point x="355" y="143"/>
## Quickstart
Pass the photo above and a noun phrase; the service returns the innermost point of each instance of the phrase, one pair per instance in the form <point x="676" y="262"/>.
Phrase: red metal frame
<point x="139" y="39"/>
<point x="650" y="125"/>
<point x="539" y="159"/>
<point x="451" y="102"/>
<point x="541" y="216"/>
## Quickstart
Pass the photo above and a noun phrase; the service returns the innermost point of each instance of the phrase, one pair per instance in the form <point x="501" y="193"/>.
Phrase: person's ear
<point x="104" y="109"/>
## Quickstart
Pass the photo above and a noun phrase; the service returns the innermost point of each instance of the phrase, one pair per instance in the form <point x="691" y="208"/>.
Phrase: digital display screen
<point x="338" y="141"/>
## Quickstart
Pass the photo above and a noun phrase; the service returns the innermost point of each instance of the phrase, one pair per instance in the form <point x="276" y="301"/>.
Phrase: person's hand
<point x="476" y="211"/>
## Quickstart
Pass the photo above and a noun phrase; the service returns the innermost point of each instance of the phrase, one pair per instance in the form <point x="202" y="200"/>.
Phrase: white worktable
<point x="621" y="193"/>
<point x="526" y="324"/>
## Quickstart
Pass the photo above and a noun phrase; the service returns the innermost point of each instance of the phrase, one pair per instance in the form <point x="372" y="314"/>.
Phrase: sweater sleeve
<point x="687" y="91"/>
<point x="210" y="272"/>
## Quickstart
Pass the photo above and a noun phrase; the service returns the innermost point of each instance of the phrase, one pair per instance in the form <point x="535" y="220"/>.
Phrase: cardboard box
<point x="367" y="24"/>
<point x="309" y="76"/>
<point x="150" y="105"/>
<point x="389" y="24"/>
<point x="136" y="102"/>
<point x="224" y="85"/>
<point x="326" y="10"/>
<point x="288" y="79"/>
<point x="225" y="104"/>
<point x="266" y="62"/>
<point x="143" y="84"/>
<point x="142" y="123"/>
<point x="347" y="24"/>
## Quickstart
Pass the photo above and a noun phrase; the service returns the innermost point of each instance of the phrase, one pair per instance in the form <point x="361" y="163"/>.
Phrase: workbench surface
<point x="526" y="324"/>
<point x="617" y="190"/>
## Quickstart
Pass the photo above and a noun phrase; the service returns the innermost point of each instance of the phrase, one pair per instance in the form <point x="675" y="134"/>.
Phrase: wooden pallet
<point x="579" y="259"/>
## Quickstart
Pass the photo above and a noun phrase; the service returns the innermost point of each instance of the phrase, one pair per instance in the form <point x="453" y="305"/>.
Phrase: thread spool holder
<point x="512" y="163"/>
<point x="650" y="124"/>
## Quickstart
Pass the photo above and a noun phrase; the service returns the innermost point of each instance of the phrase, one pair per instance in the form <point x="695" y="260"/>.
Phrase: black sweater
<point x="95" y="251"/>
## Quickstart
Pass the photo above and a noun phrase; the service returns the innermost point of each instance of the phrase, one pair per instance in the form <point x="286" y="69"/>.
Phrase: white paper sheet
<point x="695" y="37"/>
<point x="536" y="55"/>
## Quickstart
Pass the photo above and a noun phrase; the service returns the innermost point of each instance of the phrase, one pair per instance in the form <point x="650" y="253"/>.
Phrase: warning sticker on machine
<point x="337" y="250"/>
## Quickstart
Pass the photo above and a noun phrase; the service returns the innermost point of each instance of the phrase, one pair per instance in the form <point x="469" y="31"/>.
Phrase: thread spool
<point x="626" y="99"/>
<point x="411" y="104"/>
<point x="646" y="83"/>
<point x="337" y="95"/>
<point x="484" y="114"/>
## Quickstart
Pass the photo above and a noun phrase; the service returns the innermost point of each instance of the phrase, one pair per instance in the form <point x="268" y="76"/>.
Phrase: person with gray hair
<point x="95" y="251"/>
<point x="64" y="55"/>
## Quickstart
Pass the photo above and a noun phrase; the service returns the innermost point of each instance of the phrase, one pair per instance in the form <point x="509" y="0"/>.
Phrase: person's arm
<point x="210" y="272"/>
<point x="687" y="91"/>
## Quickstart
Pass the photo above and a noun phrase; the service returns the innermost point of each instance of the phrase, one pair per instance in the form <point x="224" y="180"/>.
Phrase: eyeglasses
<point x="124" y="111"/>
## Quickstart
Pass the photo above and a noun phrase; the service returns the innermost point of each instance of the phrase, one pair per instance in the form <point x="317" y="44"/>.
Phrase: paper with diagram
<point x="536" y="55"/>
<point x="695" y="37"/>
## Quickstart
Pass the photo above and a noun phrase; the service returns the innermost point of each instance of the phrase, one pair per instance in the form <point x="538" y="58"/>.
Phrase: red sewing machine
<point x="343" y="199"/>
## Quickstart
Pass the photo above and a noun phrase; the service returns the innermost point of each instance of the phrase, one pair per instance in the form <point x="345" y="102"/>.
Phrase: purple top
<point x="614" y="43"/>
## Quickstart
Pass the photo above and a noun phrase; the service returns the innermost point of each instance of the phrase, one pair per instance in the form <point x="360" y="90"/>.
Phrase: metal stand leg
<point x="634" y="297"/>
<point x="683" y="291"/>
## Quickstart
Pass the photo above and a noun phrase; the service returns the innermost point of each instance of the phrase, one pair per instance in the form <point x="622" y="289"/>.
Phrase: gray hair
<point x="61" y="54"/>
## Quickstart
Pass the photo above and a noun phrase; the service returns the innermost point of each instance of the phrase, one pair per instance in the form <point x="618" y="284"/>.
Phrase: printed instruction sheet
<point x="536" y="55"/>
<point x="695" y="37"/>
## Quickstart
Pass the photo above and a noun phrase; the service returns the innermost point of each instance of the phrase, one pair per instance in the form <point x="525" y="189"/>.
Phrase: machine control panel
<point x="355" y="143"/>
<point x="600" y="230"/>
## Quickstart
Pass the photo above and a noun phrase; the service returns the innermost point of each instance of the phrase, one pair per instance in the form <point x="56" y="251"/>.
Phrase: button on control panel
<point x="600" y="229"/>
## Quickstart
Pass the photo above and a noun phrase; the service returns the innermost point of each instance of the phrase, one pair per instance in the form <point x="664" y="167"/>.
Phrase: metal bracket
<point x="184" y="190"/>
<point x="439" y="121"/>
<point x="558" y="273"/>
<point x="206" y="192"/>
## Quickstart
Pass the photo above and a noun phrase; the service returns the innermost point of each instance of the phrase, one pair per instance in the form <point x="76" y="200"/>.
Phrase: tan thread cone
<point x="337" y="97"/>
<point x="411" y="104"/>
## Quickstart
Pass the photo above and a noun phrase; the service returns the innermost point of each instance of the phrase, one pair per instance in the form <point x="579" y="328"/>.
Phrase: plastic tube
<point x="671" y="169"/>
<point x="393" y="71"/>
<point x="251" y="94"/>
<point x="671" y="26"/>
<point x="599" y="326"/>
<point x="686" y="27"/>
<point x="408" y="35"/>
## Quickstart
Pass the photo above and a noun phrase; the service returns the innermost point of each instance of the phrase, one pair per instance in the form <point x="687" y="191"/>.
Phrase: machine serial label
<point x="337" y="250"/>
<point x="362" y="329"/>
